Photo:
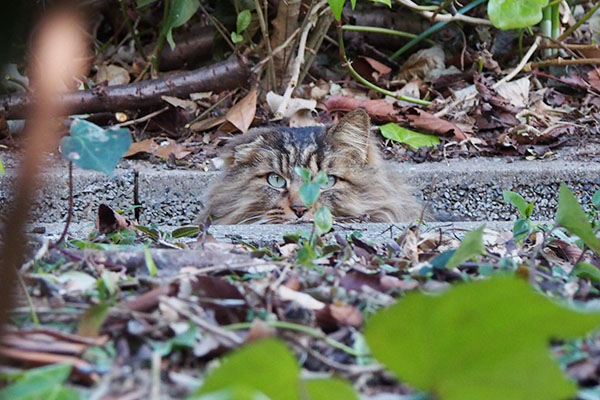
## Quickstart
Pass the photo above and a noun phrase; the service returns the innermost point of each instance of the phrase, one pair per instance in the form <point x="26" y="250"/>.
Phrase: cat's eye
<point x="276" y="180"/>
<point x="329" y="184"/>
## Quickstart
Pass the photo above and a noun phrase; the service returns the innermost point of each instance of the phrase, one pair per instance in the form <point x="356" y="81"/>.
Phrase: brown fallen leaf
<point x="164" y="149"/>
<point x="242" y="113"/>
<point x="421" y="63"/>
<point x="422" y="120"/>
<point x="331" y="317"/>
<point x="109" y="220"/>
<point x="370" y="68"/>
<point x="378" y="109"/>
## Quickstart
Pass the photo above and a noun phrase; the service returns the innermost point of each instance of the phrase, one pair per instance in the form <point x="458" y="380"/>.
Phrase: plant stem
<point x="376" y="29"/>
<point x="299" y="328"/>
<point x="555" y="25"/>
<point x="433" y="29"/>
<point x="546" y="27"/>
<point x="136" y="39"/>
<point x="365" y="82"/>
<point x="572" y="29"/>
<point x="584" y="61"/>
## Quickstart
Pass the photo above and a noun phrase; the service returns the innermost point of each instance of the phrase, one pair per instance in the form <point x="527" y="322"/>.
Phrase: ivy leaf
<point x="410" y="138"/>
<point x="571" y="216"/>
<point x="518" y="201"/>
<point x="336" y="7"/>
<point x="513" y="14"/>
<point x="470" y="246"/>
<point x="309" y="193"/>
<point x="251" y="365"/>
<point x="243" y="20"/>
<point x="329" y="389"/>
<point x="323" y="220"/>
<point x="304" y="173"/>
<point x="41" y="383"/>
<point x="236" y="37"/>
<point x="91" y="147"/>
<point x="480" y="340"/>
<point x="180" y="12"/>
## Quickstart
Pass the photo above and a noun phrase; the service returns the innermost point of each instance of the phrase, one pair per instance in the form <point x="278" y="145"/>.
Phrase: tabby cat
<point x="259" y="184"/>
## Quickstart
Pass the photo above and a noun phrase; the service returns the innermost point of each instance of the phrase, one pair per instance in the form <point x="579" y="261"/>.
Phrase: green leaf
<point x="321" y="178"/>
<point x="386" y="2"/>
<point x="353" y="3"/>
<point x="91" y="147"/>
<point x="306" y="255"/>
<point x="323" y="220"/>
<point x="151" y="232"/>
<point x="266" y="366"/>
<point x="2" y="172"/>
<point x="513" y="14"/>
<point x="309" y="193"/>
<point x="180" y="12"/>
<point x="329" y="389"/>
<point x="480" y="340"/>
<point x="595" y="198"/>
<point x="470" y="246"/>
<point x="150" y="264"/>
<point x="571" y="216"/>
<point x="243" y="20"/>
<point x="304" y="173"/>
<point x="144" y="3"/>
<point x="585" y="270"/>
<point x="185" y="231"/>
<point x="516" y="200"/>
<point x="38" y="383"/>
<point x="521" y="229"/>
<point x="405" y="136"/>
<point x="236" y="37"/>
<point x="336" y="7"/>
<point x="186" y="339"/>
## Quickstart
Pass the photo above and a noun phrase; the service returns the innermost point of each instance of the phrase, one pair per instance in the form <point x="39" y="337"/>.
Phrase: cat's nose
<point x="299" y="209"/>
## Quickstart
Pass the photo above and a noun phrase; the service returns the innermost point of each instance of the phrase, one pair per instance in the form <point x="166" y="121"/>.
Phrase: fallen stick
<point x="225" y="75"/>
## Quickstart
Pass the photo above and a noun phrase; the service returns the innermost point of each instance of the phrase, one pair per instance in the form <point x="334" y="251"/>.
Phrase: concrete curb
<point x="468" y="190"/>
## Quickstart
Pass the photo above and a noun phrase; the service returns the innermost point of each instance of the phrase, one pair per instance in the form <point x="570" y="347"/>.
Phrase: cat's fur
<point x="366" y="186"/>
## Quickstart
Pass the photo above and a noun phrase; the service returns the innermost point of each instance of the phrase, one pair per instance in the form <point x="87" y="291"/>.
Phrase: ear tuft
<point x="242" y="150"/>
<point x="352" y="133"/>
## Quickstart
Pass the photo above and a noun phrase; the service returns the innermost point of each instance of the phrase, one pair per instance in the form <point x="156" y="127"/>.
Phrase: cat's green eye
<point x="275" y="180"/>
<point x="329" y="184"/>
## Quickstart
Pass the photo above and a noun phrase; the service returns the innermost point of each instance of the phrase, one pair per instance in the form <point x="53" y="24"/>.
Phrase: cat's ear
<point x="243" y="150"/>
<point x="352" y="134"/>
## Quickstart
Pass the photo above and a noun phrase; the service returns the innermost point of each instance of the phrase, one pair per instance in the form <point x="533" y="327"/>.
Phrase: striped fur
<point x="366" y="186"/>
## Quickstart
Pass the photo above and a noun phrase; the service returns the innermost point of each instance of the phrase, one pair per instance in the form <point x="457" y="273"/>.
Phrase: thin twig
<point x="276" y="51"/>
<point x="142" y="119"/>
<point x="271" y="79"/>
<point x="560" y="61"/>
<point x="293" y="82"/>
<point x="69" y="210"/>
<point x="445" y="17"/>
<point x="572" y="29"/>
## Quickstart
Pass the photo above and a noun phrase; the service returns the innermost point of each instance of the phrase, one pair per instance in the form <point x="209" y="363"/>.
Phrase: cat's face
<point x="261" y="186"/>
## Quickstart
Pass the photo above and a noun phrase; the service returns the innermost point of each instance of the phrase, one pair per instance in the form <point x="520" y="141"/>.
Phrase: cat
<point x="259" y="184"/>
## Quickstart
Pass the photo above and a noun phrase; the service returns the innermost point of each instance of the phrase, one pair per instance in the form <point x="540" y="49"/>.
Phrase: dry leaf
<point x="108" y="220"/>
<point x="242" y="113"/>
<point x="422" y="120"/>
<point x="187" y="105"/>
<point x="421" y="63"/>
<point x="113" y="74"/>
<point x="378" y="109"/>
<point x="294" y="105"/>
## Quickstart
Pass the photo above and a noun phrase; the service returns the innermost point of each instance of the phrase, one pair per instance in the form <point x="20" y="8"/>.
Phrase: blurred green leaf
<point x="323" y="220"/>
<point x="571" y="216"/>
<point x="336" y="7"/>
<point x="266" y="366"/>
<point x="513" y="14"/>
<point x="41" y="383"/>
<point x="309" y="193"/>
<point x="329" y="389"/>
<point x="2" y="172"/>
<point x="518" y="201"/>
<point x="405" y="136"/>
<point x="92" y="320"/>
<point x="180" y="12"/>
<point x="596" y="199"/>
<point x="521" y="229"/>
<point x="236" y="37"/>
<point x="386" y="2"/>
<point x="304" y="173"/>
<point x="150" y="264"/>
<point x="185" y="231"/>
<point x="585" y="270"/>
<point x="479" y="340"/>
<point x="243" y="20"/>
<point x="470" y="246"/>
<point x="321" y="178"/>
<point x="91" y="147"/>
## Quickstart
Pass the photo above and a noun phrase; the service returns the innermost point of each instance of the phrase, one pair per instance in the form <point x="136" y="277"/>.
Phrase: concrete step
<point x="468" y="190"/>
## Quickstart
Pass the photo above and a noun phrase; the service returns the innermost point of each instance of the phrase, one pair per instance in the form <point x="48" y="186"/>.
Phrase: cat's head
<point x="261" y="186"/>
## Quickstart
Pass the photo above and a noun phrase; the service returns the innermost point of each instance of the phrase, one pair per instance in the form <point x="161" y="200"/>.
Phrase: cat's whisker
<point x="250" y="219"/>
